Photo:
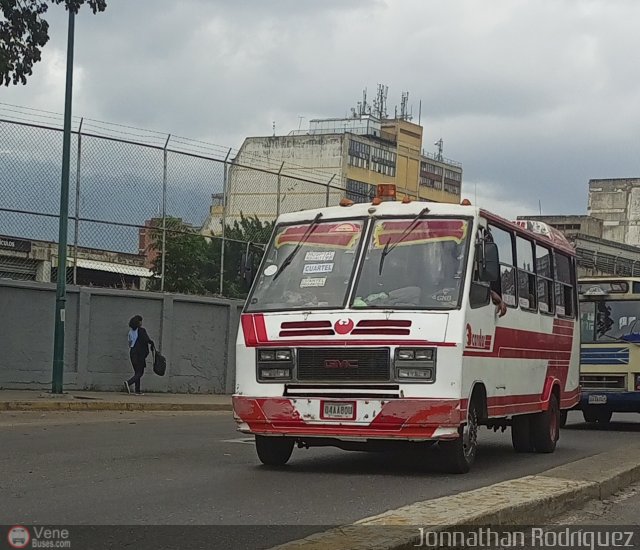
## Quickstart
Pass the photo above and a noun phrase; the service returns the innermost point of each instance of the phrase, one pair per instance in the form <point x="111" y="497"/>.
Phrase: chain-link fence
<point x="146" y="210"/>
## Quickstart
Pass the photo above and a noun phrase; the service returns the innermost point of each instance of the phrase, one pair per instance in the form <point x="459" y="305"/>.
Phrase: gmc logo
<point x="341" y="364"/>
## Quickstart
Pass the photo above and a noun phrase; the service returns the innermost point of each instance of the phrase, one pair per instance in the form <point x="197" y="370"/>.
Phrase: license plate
<point x="335" y="410"/>
<point x="597" y="399"/>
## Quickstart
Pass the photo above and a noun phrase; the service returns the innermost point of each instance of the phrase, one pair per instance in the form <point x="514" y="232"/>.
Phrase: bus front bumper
<point x="627" y="401"/>
<point x="401" y="419"/>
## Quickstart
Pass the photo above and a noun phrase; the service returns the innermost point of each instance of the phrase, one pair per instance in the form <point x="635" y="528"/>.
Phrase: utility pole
<point x="61" y="290"/>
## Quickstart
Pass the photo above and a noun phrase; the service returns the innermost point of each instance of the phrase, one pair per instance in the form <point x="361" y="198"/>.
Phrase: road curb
<point x="528" y="500"/>
<point x="109" y="406"/>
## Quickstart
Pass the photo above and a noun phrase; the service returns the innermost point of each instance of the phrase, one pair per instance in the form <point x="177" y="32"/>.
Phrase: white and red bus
<point x="375" y="325"/>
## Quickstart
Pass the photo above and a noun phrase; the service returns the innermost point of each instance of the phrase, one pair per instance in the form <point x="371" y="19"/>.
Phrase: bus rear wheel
<point x="601" y="416"/>
<point x="545" y="427"/>
<point x="521" y="434"/>
<point x="460" y="453"/>
<point x="274" y="450"/>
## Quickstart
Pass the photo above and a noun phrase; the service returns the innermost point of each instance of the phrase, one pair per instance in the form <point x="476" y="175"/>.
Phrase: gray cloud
<point x="533" y="97"/>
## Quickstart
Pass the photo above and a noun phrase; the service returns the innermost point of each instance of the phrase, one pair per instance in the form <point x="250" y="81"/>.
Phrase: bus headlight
<point x="418" y="374"/>
<point x="274" y="364"/>
<point x="275" y="374"/>
<point x="415" y="364"/>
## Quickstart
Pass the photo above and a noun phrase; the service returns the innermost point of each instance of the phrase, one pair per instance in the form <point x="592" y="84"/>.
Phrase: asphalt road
<point x="195" y="469"/>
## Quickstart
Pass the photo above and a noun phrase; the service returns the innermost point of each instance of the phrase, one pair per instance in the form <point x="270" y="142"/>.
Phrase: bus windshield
<point x="411" y="264"/>
<point x="608" y="321"/>
<point x="308" y="266"/>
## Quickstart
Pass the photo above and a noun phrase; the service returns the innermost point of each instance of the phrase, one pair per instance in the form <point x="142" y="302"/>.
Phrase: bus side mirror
<point x="246" y="269"/>
<point x="488" y="262"/>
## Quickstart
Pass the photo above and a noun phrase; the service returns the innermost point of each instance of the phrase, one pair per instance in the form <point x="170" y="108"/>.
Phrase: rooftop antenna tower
<point x="380" y="103"/>
<point x="440" y="145"/>
<point x="404" y="103"/>
<point x="274" y="128"/>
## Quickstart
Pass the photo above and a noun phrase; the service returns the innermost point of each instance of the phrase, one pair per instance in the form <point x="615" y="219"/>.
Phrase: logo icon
<point x="18" y="537"/>
<point x="344" y="326"/>
<point x="341" y="364"/>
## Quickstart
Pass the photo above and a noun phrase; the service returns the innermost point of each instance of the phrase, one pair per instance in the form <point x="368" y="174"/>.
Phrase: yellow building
<point x="335" y="158"/>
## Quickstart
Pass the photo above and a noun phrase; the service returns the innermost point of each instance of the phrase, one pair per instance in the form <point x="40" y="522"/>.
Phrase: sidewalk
<point x="27" y="400"/>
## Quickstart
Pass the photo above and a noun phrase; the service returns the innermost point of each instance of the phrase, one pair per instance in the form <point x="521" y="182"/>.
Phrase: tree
<point x="192" y="262"/>
<point x="187" y="255"/>
<point x="24" y="32"/>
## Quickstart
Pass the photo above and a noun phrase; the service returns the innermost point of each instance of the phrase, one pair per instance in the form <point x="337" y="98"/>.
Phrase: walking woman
<point x="139" y="343"/>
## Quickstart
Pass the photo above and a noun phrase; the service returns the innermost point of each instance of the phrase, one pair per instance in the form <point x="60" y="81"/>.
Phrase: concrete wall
<point x="617" y="203"/>
<point x="196" y="334"/>
<point x="311" y="157"/>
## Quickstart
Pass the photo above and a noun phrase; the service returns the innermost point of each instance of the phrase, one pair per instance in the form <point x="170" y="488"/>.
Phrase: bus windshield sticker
<point x="271" y="270"/>
<point x="316" y="256"/>
<point x="425" y="231"/>
<point x="313" y="282"/>
<point x="336" y="235"/>
<point x="317" y="268"/>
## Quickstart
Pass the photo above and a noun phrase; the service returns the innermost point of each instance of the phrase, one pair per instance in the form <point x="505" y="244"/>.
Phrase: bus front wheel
<point x="274" y="450"/>
<point x="601" y="416"/>
<point x="460" y="453"/>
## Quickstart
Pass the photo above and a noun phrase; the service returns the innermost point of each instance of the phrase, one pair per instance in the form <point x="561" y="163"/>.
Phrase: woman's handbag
<point x="159" y="363"/>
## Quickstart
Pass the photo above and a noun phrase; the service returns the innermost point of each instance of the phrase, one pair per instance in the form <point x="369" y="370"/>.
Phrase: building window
<point x="456" y="176"/>
<point x="360" y="191"/>
<point x="359" y="154"/>
<point x="383" y="161"/>
<point x="451" y="187"/>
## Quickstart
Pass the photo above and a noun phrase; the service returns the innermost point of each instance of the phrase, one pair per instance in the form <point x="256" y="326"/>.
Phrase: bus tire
<point x="460" y="454"/>
<point x="273" y="450"/>
<point x="545" y="427"/>
<point x="521" y="434"/>
<point x="563" y="417"/>
<point x="593" y="415"/>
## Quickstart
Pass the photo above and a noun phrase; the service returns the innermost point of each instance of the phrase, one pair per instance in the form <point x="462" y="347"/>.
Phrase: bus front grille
<point x="343" y="364"/>
<point x="591" y="382"/>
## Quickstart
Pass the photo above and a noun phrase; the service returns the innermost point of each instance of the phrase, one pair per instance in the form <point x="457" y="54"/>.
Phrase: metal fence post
<point x="224" y="220"/>
<point x="77" y="222"/>
<point x="329" y="187"/>
<point x="278" y="192"/>
<point x="164" y="213"/>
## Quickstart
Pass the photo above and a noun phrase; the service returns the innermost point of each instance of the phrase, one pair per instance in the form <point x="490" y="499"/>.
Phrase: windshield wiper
<point x="408" y="230"/>
<point x="304" y="238"/>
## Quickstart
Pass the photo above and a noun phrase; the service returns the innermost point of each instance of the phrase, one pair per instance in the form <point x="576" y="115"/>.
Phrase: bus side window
<point x="506" y="286"/>
<point x="479" y="296"/>
<point x="544" y="271"/>
<point x="564" y="287"/>
<point x="527" y="291"/>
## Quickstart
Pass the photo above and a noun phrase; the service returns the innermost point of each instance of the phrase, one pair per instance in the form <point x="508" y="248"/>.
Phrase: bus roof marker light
<point x="345" y="202"/>
<point x="387" y="191"/>
<point x="465" y="202"/>
<point x="406" y="199"/>
<point x="376" y="201"/>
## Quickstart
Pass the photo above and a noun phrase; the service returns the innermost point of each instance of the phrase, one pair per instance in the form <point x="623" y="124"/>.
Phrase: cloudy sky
<point x="534" y="97"/>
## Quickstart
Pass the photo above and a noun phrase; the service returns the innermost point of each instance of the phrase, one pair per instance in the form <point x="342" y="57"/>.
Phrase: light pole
<point x="61" y="289"/>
